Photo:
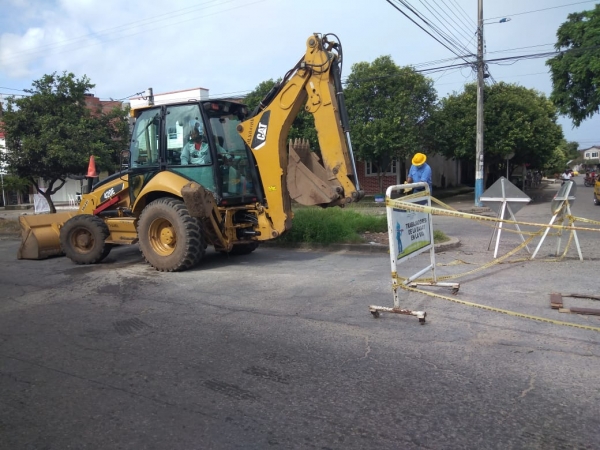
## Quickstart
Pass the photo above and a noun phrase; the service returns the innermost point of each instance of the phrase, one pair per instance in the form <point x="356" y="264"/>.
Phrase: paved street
<point x="277" y="349"/>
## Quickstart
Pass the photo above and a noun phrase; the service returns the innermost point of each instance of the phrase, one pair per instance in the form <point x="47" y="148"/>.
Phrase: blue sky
<point x="230" y="46"/>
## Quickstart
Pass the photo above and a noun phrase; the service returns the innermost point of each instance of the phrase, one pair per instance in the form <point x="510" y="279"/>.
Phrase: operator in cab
<point x="196" y="150"/>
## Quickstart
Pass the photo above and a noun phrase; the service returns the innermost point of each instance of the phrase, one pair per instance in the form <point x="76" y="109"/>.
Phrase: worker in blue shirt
<point x="419" y="171"/>
<point x="195" y="151"/>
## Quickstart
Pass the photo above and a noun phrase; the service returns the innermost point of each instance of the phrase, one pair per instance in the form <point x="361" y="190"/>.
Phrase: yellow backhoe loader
<point x="211" y="173"/>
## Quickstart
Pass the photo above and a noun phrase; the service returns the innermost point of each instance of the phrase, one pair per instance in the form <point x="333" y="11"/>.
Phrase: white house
<point x="590" y="153"/>
<point x="589" y="158"/>
<point x="170" y="97"/>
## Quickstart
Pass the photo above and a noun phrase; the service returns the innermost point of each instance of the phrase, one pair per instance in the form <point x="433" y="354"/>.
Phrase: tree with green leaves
<point x="560" y="156"/>
<point x="16" y="185"/>
<point x="388" y="107"/>
<point x="50" y="133"/>
<point x="576" y="70"/>
<point x="517" y="120"/>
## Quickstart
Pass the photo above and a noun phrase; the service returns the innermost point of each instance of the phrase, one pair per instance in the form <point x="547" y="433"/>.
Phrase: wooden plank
<point x="556" y="301"/>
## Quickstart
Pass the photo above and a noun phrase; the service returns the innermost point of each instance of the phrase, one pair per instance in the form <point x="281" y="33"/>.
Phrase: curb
<point x="358" y="248"/>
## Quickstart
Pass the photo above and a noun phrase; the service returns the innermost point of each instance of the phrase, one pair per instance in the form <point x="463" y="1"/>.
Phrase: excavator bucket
<point x="308" y="182"/>
<point x="40" y="235"/>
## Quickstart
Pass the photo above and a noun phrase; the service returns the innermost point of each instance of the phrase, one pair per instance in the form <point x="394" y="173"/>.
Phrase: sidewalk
<point x="13" y="214"/>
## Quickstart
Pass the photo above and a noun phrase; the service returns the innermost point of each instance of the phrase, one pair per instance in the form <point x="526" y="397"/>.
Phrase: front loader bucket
<point x="40" y="235"/>
<point x="308" y="182"/>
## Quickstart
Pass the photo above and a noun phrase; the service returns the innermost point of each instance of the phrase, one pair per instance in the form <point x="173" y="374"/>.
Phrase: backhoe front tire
<point x="83" y="239"/>
<point x="170" y="239"/>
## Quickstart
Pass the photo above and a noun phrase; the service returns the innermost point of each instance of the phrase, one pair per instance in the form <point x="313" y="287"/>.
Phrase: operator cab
<point x="198" y="141"/>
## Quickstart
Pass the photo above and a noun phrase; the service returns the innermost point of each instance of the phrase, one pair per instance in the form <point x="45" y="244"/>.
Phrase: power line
<point x="538" y="10"/>
<point x="465" y="32"/>
<point x="454" y="51"/>
<point x="463" y="13"/>
<point x="12" y="89"/>
<point x="129" y="96"/>
<point x="449" y="38"/>
<point x="443" y="22"/>
<point x="520" y="48"/>
<point x="430" y="70"/>
<point x="465" y="24"/>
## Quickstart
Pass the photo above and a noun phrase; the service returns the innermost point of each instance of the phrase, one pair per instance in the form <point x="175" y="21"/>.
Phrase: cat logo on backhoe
<point x="110" y="192"/>
<point x="260" y="135"/>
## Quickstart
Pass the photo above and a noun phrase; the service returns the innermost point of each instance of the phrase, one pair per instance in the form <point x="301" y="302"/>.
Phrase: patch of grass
<point x="331" y="226"/>
<point x="439" y="236"/>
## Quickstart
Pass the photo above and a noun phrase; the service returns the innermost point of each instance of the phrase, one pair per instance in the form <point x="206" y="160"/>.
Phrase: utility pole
<point x="479" y="148"/>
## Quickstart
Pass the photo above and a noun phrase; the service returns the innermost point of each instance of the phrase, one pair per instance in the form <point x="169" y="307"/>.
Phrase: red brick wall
<point x="93" y="103"/>
<point x="370" y="183"/>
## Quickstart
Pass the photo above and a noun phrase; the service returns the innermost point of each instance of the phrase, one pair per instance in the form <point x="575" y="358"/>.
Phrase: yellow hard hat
<point x="419" y="159"/>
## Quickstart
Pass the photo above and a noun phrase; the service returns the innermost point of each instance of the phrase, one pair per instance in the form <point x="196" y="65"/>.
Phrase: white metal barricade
<point x="410" y="234"/>
<point x="561" y="209"/>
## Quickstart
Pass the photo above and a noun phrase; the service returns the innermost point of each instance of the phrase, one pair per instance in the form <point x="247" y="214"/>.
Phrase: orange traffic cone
<point x="92" y="168"/>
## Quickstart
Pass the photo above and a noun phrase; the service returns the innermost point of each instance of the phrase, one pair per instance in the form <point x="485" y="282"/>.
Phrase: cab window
<point x="145" y="139"/>
<point x="186" y="141"/>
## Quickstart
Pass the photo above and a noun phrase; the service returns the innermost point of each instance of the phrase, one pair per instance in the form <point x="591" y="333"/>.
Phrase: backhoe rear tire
<point x="170" y="239"/>
<point x="83" y="239"/>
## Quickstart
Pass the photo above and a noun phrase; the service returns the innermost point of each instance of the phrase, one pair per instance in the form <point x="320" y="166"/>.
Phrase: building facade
<point x="589" y="159"/>
<point x="445" y="173"/>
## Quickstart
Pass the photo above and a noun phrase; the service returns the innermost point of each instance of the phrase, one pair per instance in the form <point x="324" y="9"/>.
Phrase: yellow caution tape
<point x="503" y="311"/>
<point x="451" y="212"/>
<point x="400" y="204"/>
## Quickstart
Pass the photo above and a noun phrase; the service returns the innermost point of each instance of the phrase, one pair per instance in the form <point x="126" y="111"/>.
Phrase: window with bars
<point x="372" y="168"/>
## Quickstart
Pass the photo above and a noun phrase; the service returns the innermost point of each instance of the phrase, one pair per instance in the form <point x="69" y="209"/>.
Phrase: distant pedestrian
<point x="566" y="176"/>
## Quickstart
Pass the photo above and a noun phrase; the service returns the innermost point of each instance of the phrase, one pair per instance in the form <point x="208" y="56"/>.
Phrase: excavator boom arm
<point x="294" y="172"/>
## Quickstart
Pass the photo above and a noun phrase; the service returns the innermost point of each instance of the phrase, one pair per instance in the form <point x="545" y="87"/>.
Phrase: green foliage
<point x="313" y="225"/>
<point x="15" y="184"/>
<point x="388" y="106"/>
<point x="516" y="119"/>
<point x="557" y="162"/>
<point x="562" y="154"/>
<point x="51" y="133"/>
<point x="330" y="226"/>
<point x="439" y="236"/>
<point x="111" y="132"/>
<point x="253" y="98"/>
<point x="576" y="72"/>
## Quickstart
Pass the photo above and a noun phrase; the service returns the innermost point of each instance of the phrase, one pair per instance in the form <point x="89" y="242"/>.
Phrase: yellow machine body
<point x="243" y="195"/>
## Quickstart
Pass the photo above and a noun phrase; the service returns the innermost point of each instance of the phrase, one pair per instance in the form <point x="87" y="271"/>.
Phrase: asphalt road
<point x="278" y="350"/>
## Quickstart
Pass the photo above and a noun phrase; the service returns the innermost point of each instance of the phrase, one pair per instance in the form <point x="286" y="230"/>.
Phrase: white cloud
<point x="18" y="52"/>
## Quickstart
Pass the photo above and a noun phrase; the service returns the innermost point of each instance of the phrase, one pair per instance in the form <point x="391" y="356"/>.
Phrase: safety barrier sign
<point x="410" y="234"/>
